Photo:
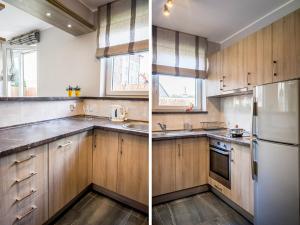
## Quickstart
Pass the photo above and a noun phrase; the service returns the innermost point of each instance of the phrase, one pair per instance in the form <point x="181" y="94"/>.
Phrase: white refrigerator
<point x="275" y="153"/>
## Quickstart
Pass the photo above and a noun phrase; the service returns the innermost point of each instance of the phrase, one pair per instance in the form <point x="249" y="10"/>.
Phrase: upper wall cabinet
<point x="69" y="15"/>
<point x="271" y="54"/>
<point x="286" y="47"/>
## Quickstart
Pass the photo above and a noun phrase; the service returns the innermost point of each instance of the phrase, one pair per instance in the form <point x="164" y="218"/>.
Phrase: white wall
<point x="64" y="59"/>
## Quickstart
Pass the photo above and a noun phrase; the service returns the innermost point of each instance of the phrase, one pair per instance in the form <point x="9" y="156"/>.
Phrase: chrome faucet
<point x="163" y="127"/>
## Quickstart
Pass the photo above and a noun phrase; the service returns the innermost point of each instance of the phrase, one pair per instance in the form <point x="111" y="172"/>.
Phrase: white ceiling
<point x="217" y="20"/>
<point x="14" y="22"/>
<point x="93" y="4"/>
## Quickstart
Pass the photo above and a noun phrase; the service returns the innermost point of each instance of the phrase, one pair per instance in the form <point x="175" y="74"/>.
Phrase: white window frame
<point x="200" y="97"/>
<point x="107" y="64"/>
<point x="5" y="48"/>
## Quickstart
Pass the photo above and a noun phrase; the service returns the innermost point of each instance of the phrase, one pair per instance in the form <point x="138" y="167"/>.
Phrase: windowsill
<point x="130" y="98"/>
<point x="178" y="112"/>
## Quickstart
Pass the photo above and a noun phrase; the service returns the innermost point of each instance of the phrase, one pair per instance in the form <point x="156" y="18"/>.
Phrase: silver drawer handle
<point x="64" y="145"/>
<point x="25" y="178"/>
<point x="24" y="160"/>
<point x="18" y="218"/>
<point x="26" y="196"/>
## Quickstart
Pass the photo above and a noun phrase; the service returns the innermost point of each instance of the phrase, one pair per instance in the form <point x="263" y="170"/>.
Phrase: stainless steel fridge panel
<point x="277" y="184"/>
<point x="277" y="107"/>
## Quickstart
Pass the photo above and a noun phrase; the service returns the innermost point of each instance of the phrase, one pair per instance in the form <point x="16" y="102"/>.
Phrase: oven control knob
<point x="218" y="143"/>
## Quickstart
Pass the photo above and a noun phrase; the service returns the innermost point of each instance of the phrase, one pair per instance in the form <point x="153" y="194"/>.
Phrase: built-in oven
<point x="219" y="167"/>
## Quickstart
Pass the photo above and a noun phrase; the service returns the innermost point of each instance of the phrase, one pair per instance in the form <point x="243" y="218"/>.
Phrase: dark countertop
<point x="217" y="134"/>
<point x="62" y="98"/>
<point x="21" y="138"/>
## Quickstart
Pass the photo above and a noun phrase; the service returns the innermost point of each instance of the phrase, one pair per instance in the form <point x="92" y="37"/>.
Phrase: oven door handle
<point x="219" y="151"/>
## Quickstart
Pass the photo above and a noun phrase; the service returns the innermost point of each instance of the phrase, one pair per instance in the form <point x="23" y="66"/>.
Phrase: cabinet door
<point x="250" y="52"/>
<point x="227" y="71"/>
<point x="191" y="162"/>
<point x="213" y="83"/>
<point x="105" y="159"/>
<point x="286" y="47"/>
<point x="264" y="56"/>
<point x="163" y="166"/>
<point x="133" y="167"/>
<point x="63" y="172"/>
<point x="242" y="189"/>
<point x="24" y="187"/>
<point x="85" y="154"/>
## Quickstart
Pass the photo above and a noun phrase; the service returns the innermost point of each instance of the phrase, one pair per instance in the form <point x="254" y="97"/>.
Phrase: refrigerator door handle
<point x="253" y="162"/>
<point x="254" y="115"/>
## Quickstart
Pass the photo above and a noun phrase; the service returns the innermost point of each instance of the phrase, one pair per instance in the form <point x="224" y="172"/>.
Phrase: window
<point x="18" y="71"/>
<point x="177" y="93"/>
<point x="127" y="74"/>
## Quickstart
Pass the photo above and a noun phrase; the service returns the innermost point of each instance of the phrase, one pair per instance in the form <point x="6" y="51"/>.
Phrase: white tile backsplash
<point x="237" y="110"/>
<point x="137" y="110"/>
<point x="20" y="112"/>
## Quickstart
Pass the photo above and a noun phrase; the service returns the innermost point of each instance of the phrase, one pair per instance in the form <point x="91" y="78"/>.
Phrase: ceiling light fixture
<point x="69" y="26"/>
<point x="170" y="3"/>
<point x="48" y="14"/>
<point x="166" y="10"/>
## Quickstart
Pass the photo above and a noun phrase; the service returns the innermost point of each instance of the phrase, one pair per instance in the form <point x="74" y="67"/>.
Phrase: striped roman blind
<point x="179" y="54"/>
<point x="123" y="27"/>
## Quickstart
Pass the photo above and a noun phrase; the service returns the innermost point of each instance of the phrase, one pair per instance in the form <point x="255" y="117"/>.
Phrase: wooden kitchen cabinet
<point x="250" y="65"/>
<point x="264" y="56"/>
<point x="105" y="159"/>
<point x="213" y="83"/>
<point x="242" y="186"/>
<point x="191" y="162"/>
<point x="120" y="164"/>
<point x="179" y="164"/>
<point x="24" y="187"/>
<point x="163" y="167"/>
<point x="133" y="167"/>
<point x="286" y="47"/>
<point x="85" y="155"/>
<point x="63" y="162"/>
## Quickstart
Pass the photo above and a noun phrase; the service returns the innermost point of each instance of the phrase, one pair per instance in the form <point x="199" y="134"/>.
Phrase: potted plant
<point x="70" y="91"/>
<point x="77" y="91"/>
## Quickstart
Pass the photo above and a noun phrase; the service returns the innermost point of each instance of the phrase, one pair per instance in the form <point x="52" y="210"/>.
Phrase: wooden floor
<point x="95" y="209"/>
<point x="202" y="209"/>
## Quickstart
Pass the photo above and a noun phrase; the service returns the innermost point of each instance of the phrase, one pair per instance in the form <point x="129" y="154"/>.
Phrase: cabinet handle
<point x="218" y="188"/>
<point x="25" y="178"/>
<point x="221" y="87"/>
<point x="121" y="149"/>
<point x="248" y="75"/>
<point x="231" y="155"/>
<point x="65" y="145"/>
<point x="94" y="141"/>
<point x="18" y="218"/>
<point x="179" y="150"/>
<point x="26" y="196"/>
<point x="274" y="68"/>
<point x="224" y="81"/>
<point x="24" y="160"/>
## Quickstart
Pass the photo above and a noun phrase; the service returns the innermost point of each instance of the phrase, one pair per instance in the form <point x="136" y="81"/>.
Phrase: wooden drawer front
<point x="219" y="187"/>
<point x="24" y="183"/>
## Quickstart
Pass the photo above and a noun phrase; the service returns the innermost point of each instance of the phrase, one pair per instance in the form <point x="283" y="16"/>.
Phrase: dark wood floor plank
<point x="202" y="209"/>
<point x="94" y="209"/>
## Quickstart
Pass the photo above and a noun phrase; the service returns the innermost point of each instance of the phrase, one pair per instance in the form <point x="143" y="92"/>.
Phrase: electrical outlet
<point x="72" y="107"/>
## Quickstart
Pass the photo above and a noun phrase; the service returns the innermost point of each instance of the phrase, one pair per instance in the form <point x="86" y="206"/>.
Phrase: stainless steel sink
<point x="139" y="126"/>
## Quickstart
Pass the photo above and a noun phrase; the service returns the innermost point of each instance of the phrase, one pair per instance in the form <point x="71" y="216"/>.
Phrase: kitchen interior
<point x="225" y="112"/>
<point x="74" y="99"/>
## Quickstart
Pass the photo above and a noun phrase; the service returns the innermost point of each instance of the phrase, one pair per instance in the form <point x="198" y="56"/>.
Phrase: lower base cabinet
<point x="24" y="187"/>
<point x="179" y="164"/>
<point x="120" y="164"/>
<point x="69" y="169"/>
<point x="242" y="186"/>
